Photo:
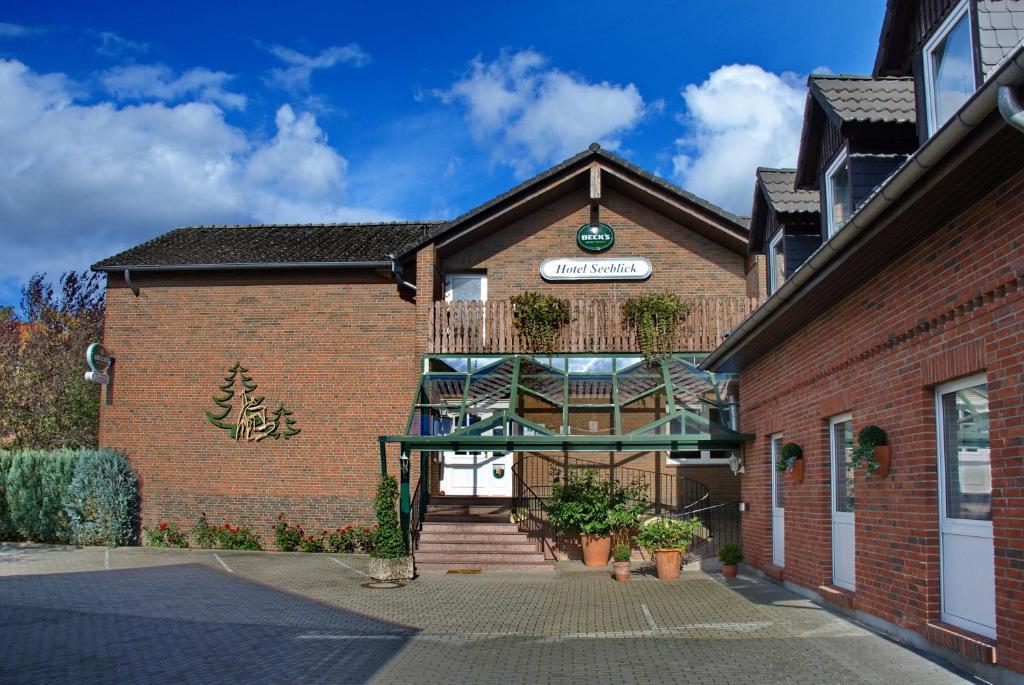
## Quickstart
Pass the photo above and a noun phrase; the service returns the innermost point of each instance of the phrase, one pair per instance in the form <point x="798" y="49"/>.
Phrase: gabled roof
<point x="269" y="245"/>
<point x="865" y="99"/>
<point x="849" y="103"/>
<point x="721" y="218"/>
<point x="774" y="191"/>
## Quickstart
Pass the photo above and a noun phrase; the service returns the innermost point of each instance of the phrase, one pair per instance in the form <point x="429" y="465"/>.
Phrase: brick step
<point x="456" y="558"/>
<point x="474" y="546"/>
<point x="467" y="518"/>
<point x="475" y="538"/>
<point x="467" y="500"/>
<point x="529" y="567"/>
<point x="463" y="528"/>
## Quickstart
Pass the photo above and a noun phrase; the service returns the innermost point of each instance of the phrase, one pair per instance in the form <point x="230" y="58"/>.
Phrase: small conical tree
<point x="388" y="542"/>
<point x="283" y="423"/>
<point x="224" y="400"/>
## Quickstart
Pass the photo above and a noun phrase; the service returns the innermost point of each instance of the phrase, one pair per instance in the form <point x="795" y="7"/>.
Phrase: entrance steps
<point x="475" y="534"/>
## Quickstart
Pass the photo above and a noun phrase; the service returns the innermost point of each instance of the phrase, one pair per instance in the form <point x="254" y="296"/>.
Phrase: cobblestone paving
<point x="154" y="616"/>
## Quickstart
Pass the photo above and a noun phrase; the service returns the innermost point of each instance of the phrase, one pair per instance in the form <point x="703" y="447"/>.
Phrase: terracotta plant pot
<point x="729" y="570"/>
<point x="668" y="562"/>
<point x="596" y="550"/>
<point x="621" y="570"/>
<point x="883" y="454"/>
<point x="796" y="472"/>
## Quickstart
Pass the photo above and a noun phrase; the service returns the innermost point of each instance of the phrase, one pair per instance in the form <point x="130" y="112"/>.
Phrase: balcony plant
<point x="540" y="319"/>
<point x="729" y="556"/>
<point x="389" y="558"/>
<point x="791" y="462"/>
<point x="872" y="451"/>
<point x="620" y="562"/>
<point x="654" y="317"/>
<point x="666" y="540"/>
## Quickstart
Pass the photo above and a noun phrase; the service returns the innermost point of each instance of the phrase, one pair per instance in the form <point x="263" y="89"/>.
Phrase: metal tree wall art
<point x="250" y="422"/>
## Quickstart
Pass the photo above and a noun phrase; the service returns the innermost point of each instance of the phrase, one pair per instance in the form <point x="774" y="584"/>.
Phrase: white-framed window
<point x="837" y="193"/>
<point x="949" y="69"/>
<point x="778" y="482"/>
<point x="468" y="286"/>
<point x="840" y="430"/>
<point x="965" y="474"/>
<point x="776" y="263"/>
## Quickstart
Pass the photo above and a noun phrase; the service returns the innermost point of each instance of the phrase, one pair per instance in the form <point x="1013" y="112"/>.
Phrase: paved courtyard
<point x="139" y="615"/>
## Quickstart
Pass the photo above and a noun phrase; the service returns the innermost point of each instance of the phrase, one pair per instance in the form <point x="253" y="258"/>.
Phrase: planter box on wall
<point x="883" y="454"/>
<point x="795" y="474"/>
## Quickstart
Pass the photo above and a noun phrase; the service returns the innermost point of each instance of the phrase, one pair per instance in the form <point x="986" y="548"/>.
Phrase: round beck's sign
<point x="595" y="237"/>
<point x="97" y="358"/>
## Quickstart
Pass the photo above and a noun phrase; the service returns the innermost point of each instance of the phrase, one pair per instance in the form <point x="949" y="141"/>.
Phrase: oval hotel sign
<point x="595" y="237"/>
<point x="596" y="269"/>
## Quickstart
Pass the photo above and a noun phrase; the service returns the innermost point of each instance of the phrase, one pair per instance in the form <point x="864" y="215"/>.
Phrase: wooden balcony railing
<point x="597" y="325"/>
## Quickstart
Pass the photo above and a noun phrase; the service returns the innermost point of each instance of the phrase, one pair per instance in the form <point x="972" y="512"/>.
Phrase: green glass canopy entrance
<point x="564" y="403"/>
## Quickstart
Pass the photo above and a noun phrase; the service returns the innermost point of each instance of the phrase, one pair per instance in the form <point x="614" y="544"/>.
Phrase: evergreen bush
<point x="103" y="500"/>
<point x="388" y="542"/>
<point x="7" y="531"/>
<point x="36" y="486"/>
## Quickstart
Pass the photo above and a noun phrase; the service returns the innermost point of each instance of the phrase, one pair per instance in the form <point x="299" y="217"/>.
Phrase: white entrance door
<point x="965" y="506"/>
<point x="480" y="474"/>
<point x="844" y="548"/>
<point x="778" y="510"/>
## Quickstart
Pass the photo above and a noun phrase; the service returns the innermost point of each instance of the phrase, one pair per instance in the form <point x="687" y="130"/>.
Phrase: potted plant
<point x="791" y="462"/>
<point x="666" y="540"/>
<point x="620" y="561"/>
<point x="579" y="504"/>
<point x="389" y="558"/>
<point x="729" y="556"/>
<point x="873" y="451"/>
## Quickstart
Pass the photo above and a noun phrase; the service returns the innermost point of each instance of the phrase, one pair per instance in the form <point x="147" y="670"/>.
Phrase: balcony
<point x="478" y="326"/>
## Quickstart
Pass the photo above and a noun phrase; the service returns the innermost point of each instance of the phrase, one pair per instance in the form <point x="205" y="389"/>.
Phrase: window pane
<point x="953" y="67"/>
<point x="842" y="449"/>
<point x="466" y="287"/>
<point x="779" y="496"/>
<point x="778" y="266"/>
<point x="966" y="454"/>
<point x="840" y="196"/>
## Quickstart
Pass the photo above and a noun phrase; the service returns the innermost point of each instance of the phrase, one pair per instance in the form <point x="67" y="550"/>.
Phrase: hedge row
<point x="85" y="497"/>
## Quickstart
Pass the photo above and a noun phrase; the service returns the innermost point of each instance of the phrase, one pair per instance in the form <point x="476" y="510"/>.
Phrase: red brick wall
<point x="949" y="307"/>
<point x="683" y="261"/>
<point x="338" y="350"/>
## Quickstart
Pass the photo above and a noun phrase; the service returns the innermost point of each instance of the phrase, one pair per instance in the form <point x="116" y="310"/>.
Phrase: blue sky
<point x="119" y="121"/>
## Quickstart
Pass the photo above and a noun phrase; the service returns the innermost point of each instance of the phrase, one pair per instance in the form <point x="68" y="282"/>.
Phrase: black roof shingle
<point x="260" y="245"/>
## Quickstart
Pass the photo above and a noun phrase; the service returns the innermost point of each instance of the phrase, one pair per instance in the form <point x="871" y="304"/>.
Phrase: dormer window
<point x="776" y="263"/>
<point x="949" y="71"/>
<point x="837" y="193"/>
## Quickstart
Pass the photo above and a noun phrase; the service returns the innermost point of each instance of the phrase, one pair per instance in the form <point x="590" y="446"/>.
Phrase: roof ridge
<point x="857" y="77"/>
<point x="336" y="224"/>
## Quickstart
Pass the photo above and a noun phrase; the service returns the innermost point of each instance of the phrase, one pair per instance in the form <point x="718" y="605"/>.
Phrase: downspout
<point x="128" y="280"/>
<point x="1010" y="107"/>
<point x="396" y="272"/>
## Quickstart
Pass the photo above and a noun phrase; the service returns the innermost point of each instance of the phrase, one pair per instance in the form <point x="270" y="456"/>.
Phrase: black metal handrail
<point x="721" y="523"/>
<point x="530" y="512"/>
<point x="417" y="512"/>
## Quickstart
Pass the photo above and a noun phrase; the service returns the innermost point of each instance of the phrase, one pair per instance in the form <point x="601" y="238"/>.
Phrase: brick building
<point x="348" y="325"/>
<point x="906" y="314"/>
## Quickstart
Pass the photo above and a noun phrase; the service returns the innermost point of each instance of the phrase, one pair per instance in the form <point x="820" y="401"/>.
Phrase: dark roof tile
<point x="784" y="197"/>
<point x="867" y="99"/>
<point x="270" y="244"/>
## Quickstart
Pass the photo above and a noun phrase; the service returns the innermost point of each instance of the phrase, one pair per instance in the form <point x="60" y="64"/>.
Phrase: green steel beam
<point x="574" y="443"/>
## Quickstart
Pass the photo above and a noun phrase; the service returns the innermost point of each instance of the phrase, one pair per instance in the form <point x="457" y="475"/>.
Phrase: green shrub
<point x="540" y="319"/>
<point x="730" y="554"/>
<point x="165" y="535"/>
<point x="621" y="553"/>
<point x="388" y="541"/>
<point x="286" y="537"/>
<point x="308" y="543"/>
<point x="103" y="499"/>
<point x="237" y="537"/>
<point x="654" y="317"/>
<point x="790" y="453"/>
<point x="37" y="484"/>
<point x="868" y="439"/>
<point x="203" y="534"/>
<point x="7" y="531"/>
<point x="664" y="533"/>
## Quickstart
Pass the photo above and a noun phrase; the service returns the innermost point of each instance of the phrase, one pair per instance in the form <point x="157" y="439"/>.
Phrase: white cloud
<point x="8" y="30"/>
<point x="740" y="118"/>
<point x="300" y="67"/>
<point x="79" y="182"/>
<point x="159" y="82"/>
<point x="113" y="45"/>
<point x="528" y="114"/>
